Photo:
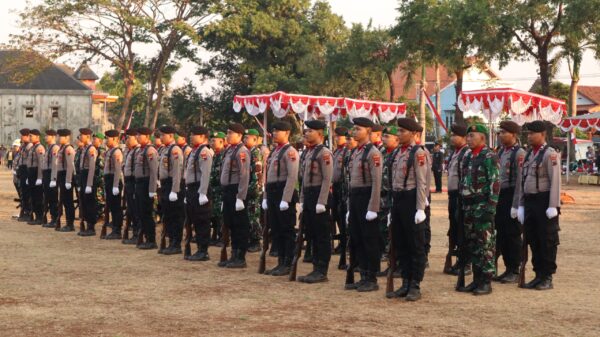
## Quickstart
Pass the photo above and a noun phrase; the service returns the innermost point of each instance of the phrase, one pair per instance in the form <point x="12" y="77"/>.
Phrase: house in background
<point x="474" y="78"/>
<point x="588" y="99"/>
<point x="38" y="94"/>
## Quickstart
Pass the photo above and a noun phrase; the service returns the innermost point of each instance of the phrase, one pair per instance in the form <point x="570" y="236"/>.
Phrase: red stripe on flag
<point x="435" y="112"/>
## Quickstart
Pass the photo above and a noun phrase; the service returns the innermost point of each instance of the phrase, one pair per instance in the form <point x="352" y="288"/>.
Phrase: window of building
<point x="54" y="111"/>
<point x="29" y="112"/>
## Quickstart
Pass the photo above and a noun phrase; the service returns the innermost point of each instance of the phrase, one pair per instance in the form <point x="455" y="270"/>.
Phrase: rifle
<point x="163" y="237"/>
<point x="188" y="237"/>
<point x="225" y="229"/>
<point x="60" y="209"/>
<point x="448" y="262"/>
<point x="298" y="249"/>
<point x="524" y="257"/>
<point x="262" y="265"/>
<point x="391" y="260"/>
<point x="81" y="205"/>
<point x="352" y="265"/>
<point x="127" y="217"/>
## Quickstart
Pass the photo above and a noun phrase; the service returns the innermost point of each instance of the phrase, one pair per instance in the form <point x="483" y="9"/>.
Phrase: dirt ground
<point x="59" y="284"/>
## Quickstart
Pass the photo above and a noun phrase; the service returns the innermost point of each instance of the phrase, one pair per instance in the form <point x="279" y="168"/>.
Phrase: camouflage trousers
<point x="254" y="205"/>
<point x="480" y="237"/>
<point x="100" y="199"/>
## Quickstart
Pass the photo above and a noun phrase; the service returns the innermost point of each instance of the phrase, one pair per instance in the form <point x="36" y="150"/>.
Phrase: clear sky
<point x="382" y="13"/>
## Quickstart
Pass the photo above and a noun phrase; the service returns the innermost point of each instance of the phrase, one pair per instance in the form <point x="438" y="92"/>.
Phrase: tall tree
<point x="103" y="29"/>
<point x="173" y="26"/>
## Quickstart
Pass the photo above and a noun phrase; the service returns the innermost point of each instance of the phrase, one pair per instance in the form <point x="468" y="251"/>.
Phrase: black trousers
<point x="453" y="216"/>
<point x="237" y="221"/>
<point x="173" y="212"/>
<point x="89" y="206"/>
<point x="36" y="193"/>
<point x="144" y="207"/>
<point x="508" y="239"/>
<point x="338" y="212"/>
<point x="437" y="176"/>
<point x="409" y="237"/>
<point x="364" y="235"/>
<point x="50" y="194"/>
<point x="199" y="216"/>
<point x="132" y="211"/>
<point x="282" y="222"/>
<point x="113" y="202"/>
<point x="318" y="229"/>
<point x="541" y="233"/>
<point x="25" y="190"/>
<point x="66" y="197"/>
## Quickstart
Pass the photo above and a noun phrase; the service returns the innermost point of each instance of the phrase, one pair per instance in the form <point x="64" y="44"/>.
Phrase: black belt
<point x="360" y="190"/>
<point x="275" y="185"/>
<point x="142" y="179"/>
<point x="193" y="184"/>
<point x="400" y="194"/>
<point x="312" y="189"/>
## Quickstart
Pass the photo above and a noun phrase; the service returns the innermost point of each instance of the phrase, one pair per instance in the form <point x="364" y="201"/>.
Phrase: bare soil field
<point x="60" y="284"/>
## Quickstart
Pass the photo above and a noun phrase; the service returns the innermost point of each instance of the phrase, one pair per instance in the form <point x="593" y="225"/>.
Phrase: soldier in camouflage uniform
<point x="390" y="143"/>
<point x="217" y="144"/>
<point x="479" y="190"/>
<point x="254" y="189"/>
<point x="98" y="142"/>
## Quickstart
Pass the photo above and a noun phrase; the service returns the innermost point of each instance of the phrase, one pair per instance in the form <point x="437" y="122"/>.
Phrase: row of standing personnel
<point x="375" y="187"/>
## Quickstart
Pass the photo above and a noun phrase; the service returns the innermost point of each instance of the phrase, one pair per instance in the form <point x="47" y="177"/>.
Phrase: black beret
<point x="85" y="131"/>
<point x="511" y="127"/>
<point x="282" y="126"/>
<point x="364" y="122"/>
<point x="536" y="126"/>
<point x="131" y="132"/>
<point x="167" y="129"/>
<point x="63" y="132"/>
<point x="409" y="124"/>
<point x="200" y="130"/>
<point x="315" y="125"/>
<point x="144" y="131"/>
<point x="35" y="132"/>
<point x="237" y="128"/>
<point x="24" y="132"/>
<point x="378" y="128"/>
<point x="50" y="132"/>
<point x="459" y="130"/>
<point x="112" y="133"/>
<point x="341" y="131"/>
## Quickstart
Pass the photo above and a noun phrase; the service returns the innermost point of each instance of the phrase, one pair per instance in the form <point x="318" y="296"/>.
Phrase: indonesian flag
<point x="573" y="138"/>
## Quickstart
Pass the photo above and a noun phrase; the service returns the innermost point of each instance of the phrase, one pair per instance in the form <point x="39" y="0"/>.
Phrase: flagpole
<point x="568" y="154"/>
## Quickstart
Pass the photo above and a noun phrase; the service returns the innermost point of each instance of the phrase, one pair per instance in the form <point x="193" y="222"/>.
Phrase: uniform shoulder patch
<point x="292" y="155"/>
<point x="421" y="157"/>
<point x="327" y="158"/>
<point x="554" y="158"/>
<point x="204" y="154"/>
<point x="243" y="156"/>
<point x="377" y="159"/>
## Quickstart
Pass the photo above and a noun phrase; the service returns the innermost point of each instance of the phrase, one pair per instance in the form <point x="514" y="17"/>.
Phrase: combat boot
<point x="200" y="255"/>
<point x="510" y="277"/>
<point x="174" y="248"/>
<point x="90" y="231"/>
<point x="315" y="277"/>
<point x="223" y="264"/>
<point x="533" y="283"/>
<point x="114" y="235"/>
<point x="414" y="291"/>
<point x="68" y="228"/>
<point x="473" y="285"/>
<point x="254" y="247"/>
<point x="277" y="267"/>
<point x="498" y="278"/>
<point x="370" y="284"/>
<point x="239" y="261"/>
<point x="484" y="288"/>
<point x="285" y="268"/>
<point x="401" y="292"/>
<point x="545" y="284"/>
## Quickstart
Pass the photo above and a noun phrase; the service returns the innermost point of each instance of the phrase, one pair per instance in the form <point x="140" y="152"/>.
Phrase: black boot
<point x="174" y="248"/>
<point x="239" y="261"/>
<point x="68" y="228"/>
<point x="499" y="278"/>
<point x="224" y="264"/>
<point x="254" y="247"/>
<point x="370" y="284"/>
<point x="200" y="255"/>
<point x="484" y="288"/>
<point x="511" y="276"/>
<point x="414" y="291"/>
<point x="277" y="267"/>
<point x="402" y="291"/>
<point x="90" y="231"/>
<point x="545" y="284"/>
<point x="533" y="283"/>
<point x="115" y="234"/>
<point x="473" y="285"/>
<point x="285" y="267"/>
<point x="356" y="285"/>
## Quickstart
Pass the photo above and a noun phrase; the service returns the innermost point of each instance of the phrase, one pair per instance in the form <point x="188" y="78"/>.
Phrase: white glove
<point x="300" y="207"/>
<point x="88" y="189"/>
<point x="14" y="173"/>
<point x="514" y="213"/>
<point x="184" y="200"/>
<point x="389" y="219"/>
<point x="420" y="216"/>
<point x="172" y="197"/>
<point x="221" y="207"/>
<point x="68" y="186"/>
<point x="239" y="205"/>
<point x="320" y="209"/>
<point x="53" y="184"/>
<point x="347" y="217"/>
<point x="551" y="212"/>
<point x="202" y="199"/>
<point x="115" y="191"/>
<point x="152" y="194"/>
<point x="264" y="205"/>
<point x="371" y="216"/>
<point x="38" y="182"/>
<point x="284" y="206"/>
<point x="158" y="183"/>
<point x="26" y="181"/>
<point x="521" y="215"/>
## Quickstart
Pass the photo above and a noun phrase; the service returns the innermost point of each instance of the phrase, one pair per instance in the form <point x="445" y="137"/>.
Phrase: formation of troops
<point x="371" y="194"/>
